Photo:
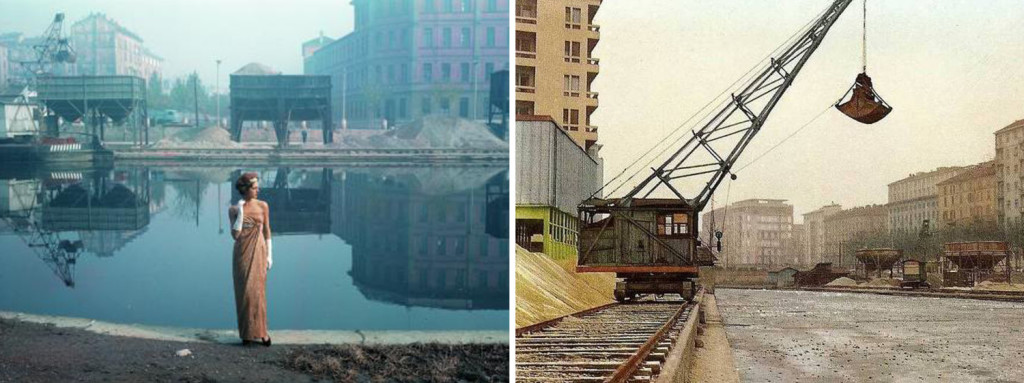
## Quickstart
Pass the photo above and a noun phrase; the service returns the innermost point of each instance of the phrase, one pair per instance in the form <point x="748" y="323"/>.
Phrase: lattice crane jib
<point x="709" y="153"/>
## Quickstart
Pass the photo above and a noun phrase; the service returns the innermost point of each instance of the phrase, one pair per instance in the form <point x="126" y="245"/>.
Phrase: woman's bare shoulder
<point x="264" y="204"/>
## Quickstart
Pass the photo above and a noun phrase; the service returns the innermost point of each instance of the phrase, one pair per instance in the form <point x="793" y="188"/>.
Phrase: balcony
<point x="592" y="95"/>
<point x="526" y="54"/>
<point x="526" y="88"/>
<point x="591" y="129"/>
<point x="526" y="14"/>
<point x="593" y="31"/>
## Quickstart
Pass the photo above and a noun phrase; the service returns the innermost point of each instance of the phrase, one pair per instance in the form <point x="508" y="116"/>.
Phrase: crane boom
<point x="714" y="148"/>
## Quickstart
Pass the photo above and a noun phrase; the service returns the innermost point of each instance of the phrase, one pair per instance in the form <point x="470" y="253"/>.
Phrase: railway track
<point x="612" y="343"/>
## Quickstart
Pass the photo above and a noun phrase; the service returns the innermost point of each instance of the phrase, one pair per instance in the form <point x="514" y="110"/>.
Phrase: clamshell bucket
<point x="865" y="105"/>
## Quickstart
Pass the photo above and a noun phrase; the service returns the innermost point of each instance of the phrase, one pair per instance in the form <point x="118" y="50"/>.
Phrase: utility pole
<point x="344" y="94"/>
<point x="195" y="92"/>
<point x="217" y="93"/>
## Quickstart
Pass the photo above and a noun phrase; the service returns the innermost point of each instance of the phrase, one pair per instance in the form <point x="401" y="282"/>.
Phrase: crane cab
<point x="650" y="244"/>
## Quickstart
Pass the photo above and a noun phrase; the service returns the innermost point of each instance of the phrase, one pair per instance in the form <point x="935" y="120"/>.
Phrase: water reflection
<point x="419" y="237"/>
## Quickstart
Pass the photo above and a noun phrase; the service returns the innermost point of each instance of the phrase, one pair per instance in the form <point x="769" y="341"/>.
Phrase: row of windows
<point x="399" y="108"/>
<point x="464" y="39"/>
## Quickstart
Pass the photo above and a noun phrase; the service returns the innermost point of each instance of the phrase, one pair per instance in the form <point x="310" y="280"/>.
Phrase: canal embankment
<point x="43" y="352"/>
<point x="547" y="289"/>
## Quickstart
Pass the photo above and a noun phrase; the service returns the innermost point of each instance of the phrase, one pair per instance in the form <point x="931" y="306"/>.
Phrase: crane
<point x="53" y="49"/>
<point x="652" y="243"/>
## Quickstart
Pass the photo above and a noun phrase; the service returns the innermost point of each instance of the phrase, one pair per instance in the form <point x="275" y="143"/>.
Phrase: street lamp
<point x="217" y="93"/>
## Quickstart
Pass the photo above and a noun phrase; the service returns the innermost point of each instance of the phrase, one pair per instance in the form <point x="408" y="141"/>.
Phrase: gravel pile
<point x="842" y="282"/>
<point x="434" y="132"/>
<point x="208" y="138"/>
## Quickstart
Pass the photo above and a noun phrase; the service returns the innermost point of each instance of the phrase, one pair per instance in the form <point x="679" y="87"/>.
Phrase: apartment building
<point x="555" y="65"/>
<point x="814" y="233"/>
<point x="914" y="199"/>
<point x="106" y="48"/>
<point x="406" y="59"/>
<point x="970" y="197"/>
<point x="1009" y="167"/>
<point x="755" y="232"/>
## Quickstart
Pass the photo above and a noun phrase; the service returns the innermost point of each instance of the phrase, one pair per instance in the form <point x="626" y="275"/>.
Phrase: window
<point x="403" y="74"/>
<point x="446" y="38"/>
<point x="446" y="72"/>
<point x="572" y="51"/>
<point x="447" y="6"/>
<point x="490" y="37"/>
<point x="391" y="39"/>
<point x="464" y="72"/>
<point x="391" y="73"/>
<point x="466" y="5"/>
<point x="673" y="224"/>
<point x="573" y="17"/>
<point x="445" y="106"/>
<point x="488" y="69"/>
<point x="464" y="38"/>
<point x="428" y="72"/>
<point x="571" y="119"/>
<point x="571" y="86"/>
<point x="428" y="37"/>
<point x="492" y="5"/>
<point x="402" y="108"/>
<point x="425" y="109"/>
<point x="464" y="107"/>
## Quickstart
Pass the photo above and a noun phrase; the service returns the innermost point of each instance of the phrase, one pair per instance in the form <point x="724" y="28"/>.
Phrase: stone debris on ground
<point x="842" y="282"/>
<point x="206" y="138"/>
<point x="434" y="132"/>
<point x="183" y="352"/>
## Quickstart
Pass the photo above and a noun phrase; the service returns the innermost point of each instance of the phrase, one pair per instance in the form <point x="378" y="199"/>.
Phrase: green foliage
<point x="181" y="96"/>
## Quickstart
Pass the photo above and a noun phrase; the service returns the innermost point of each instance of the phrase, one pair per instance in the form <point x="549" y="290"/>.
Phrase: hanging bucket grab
<point x="865" y="105"/>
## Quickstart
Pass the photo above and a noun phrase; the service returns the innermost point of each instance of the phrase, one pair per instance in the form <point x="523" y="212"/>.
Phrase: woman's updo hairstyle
<point x="245" y="182"/>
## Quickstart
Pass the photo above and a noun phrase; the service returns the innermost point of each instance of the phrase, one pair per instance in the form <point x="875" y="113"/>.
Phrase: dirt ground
<point x="803" y="336"/>
<point x="713" y="363"/>
<point x="547" y="289"/>
<point x="31" y="352"/>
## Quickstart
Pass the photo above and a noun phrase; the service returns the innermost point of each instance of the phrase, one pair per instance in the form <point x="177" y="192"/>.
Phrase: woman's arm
<point x="266" y="220"/>
<point x="232" y="216"/>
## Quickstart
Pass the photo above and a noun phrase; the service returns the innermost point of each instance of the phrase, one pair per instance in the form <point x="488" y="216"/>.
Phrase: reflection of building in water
<point x="419" y="241"/>
<point x="299" y="200"/>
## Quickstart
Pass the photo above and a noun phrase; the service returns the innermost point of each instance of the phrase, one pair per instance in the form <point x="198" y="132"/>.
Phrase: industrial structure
<point x="872" y="262"/>
<point x="968" y="263"/>
<point x="848" y="230"/>
<point x="555" y="64"/>
<point x="95" y="100"/>
<point x="553" y="174"/>
<point x="408" y="59"/>
<point x="280" y="99"/>
<point x="650" y="240"/>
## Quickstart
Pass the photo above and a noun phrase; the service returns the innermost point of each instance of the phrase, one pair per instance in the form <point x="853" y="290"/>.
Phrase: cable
<point x="785" y="139"/>
<point x="745" y="76"/>
<point x="864" y="42"/>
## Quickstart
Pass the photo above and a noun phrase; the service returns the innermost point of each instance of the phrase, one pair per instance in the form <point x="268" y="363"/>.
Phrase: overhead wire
<point x="670" y="144"/>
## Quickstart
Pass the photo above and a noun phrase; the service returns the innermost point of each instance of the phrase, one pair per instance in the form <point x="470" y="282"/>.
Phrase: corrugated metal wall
<point x="551" y="169"/>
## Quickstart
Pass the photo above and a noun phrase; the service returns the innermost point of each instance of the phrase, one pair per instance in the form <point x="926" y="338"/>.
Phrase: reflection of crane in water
<point x="60" y="255"/>
<point x="42" y="210"/>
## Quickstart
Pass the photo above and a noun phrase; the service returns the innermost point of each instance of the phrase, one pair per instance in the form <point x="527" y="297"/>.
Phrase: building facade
<point x="4" y="66"/>
<point x="846" y="230"/>
<point x="555" y="66"/>
<point x="406" y="59"/>
<point x="105" y="48"/>
<point x="755" y="232"/>
<point x="970" y="197"/>
<point x="914" y="199"/>
<point x="19" y="51"/>
<point x="553" y="175"/>
<point x="1009" y="167"/>
<point x="814" y="233"/>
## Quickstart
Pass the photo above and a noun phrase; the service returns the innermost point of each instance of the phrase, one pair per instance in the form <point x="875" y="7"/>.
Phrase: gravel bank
<point x="801" y="336"/>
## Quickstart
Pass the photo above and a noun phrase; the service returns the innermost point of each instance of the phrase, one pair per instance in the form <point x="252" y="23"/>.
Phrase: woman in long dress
<point x="252" y="258"/>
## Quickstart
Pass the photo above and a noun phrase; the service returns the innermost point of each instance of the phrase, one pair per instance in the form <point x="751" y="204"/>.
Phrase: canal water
<point x="362" y="248"/>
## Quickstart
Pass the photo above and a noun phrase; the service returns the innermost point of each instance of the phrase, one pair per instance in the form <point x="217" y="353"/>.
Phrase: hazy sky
<point x="193" y="34"/>
<point x="953" y="70"/>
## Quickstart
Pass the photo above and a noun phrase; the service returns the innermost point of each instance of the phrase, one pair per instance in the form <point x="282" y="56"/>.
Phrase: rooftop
<point x="984" y="169"/>
<point x="914" y="176"/>
<point x="1014" y="126"/>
